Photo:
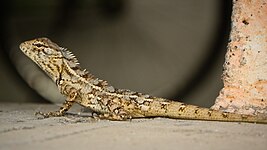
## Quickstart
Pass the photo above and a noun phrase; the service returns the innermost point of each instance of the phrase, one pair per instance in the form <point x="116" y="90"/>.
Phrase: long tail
<point x="177" y="110"/>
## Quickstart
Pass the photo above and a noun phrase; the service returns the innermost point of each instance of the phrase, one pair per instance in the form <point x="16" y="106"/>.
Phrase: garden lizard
<point x="79" y="86"/>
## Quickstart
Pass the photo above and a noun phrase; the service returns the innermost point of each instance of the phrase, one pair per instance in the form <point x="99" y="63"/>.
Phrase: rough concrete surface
<point x="245" y="67"/>
<point x="21" y="129"/>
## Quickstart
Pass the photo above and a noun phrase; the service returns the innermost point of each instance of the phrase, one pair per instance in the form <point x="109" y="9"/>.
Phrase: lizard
<point x="81" y="87"/>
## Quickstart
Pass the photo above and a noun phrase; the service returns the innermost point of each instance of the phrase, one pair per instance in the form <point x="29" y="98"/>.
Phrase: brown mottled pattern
<point x="79" y="86"/>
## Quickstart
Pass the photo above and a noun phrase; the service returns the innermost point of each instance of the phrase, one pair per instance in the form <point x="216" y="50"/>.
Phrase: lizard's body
<point x="79" y="86"/>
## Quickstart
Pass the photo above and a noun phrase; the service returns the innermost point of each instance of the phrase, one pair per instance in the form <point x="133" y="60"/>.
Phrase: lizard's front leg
<point x="64" y="108"/>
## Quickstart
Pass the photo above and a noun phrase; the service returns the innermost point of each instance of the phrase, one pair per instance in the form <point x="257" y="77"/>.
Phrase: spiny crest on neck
<point x="69" y="55"/>
<point x="74" y="64"/>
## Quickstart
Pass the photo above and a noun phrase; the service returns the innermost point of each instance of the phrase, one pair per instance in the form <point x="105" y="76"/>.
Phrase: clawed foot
<point x="50" y="114"/>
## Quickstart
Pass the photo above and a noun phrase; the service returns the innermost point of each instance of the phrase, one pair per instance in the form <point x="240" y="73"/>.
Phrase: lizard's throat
<point x="55" y="75"/>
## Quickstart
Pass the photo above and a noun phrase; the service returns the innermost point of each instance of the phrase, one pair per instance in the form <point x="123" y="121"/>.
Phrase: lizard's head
<point x="47" y="55"/>
<point x="41" y="49"/>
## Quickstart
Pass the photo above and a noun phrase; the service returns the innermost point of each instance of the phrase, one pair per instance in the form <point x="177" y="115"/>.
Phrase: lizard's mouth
<point x="26" y="49"/>
<point x="22" y="47"/>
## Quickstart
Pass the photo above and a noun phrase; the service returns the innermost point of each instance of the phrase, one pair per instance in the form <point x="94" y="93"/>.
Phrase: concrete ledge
<point x="20" y="129"/>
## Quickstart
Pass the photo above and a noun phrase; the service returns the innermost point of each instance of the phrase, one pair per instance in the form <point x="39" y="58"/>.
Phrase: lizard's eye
<point x="38" y="45"/>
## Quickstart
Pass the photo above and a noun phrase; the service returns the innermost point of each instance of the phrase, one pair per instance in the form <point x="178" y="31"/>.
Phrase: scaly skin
<point x="79" y="86"/>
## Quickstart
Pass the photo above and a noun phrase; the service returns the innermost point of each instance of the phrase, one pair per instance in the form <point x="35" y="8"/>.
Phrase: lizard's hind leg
<point x="114" y="117"/>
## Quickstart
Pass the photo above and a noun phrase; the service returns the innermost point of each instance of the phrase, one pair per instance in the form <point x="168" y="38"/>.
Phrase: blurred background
<point x="173" y="49"/>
